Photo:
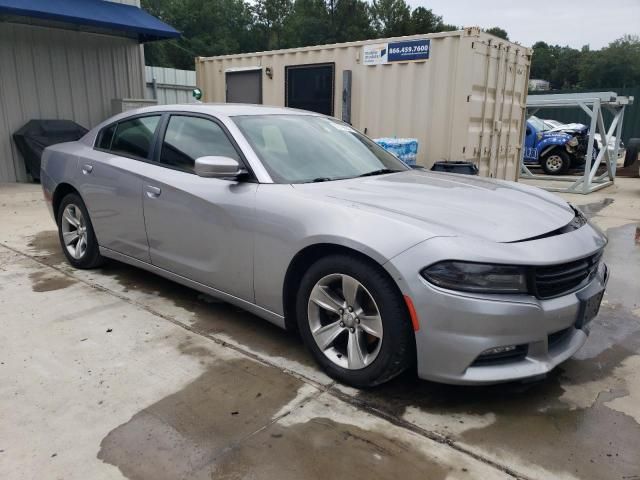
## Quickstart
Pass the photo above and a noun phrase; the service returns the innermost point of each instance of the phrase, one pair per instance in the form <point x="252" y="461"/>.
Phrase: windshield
<point x="537" y="123"/>
<point x="307" y="148"/>
<point x="552" y="124"/>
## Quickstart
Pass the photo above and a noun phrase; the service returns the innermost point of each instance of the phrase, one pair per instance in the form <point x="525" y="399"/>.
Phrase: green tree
<point x="447" y="27"/>
<point x="351" y="21"/>
<point x="271" y="16"/>
<point x="423" y="20"/>
<point x="194" y="18"/>
<point x="543" y="61"/>
<point x="308" y="24"/>
<point x="391" y="18"/>
<point x="565" y="73"/>
<point x="498" y="32"/>
<point x="617" y="65"/>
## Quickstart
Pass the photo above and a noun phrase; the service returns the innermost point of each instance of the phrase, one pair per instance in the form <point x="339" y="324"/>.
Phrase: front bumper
<point x="455" y="328"/>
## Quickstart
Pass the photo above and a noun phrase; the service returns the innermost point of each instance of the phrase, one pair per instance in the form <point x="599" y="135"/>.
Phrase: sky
<point x="564" y="22"/>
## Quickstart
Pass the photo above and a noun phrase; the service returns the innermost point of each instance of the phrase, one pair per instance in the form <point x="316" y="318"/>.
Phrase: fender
<point x="551" y="141"/>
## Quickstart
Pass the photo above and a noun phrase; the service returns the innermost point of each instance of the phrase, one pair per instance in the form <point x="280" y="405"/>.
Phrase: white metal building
<point x="170" y="85"/>
<point x="68" y="59"/>
<point x="461" y="94"/>
<point x="538" y="85"/>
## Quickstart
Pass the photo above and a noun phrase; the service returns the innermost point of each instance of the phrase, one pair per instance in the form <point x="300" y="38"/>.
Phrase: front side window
<point x="307" y="148"/>
<point x="537" y="123"/>
<point x="189" y="138"/>
<point x="135" y="136"/>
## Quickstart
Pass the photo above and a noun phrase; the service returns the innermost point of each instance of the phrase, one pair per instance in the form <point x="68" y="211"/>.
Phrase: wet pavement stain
<point x="212" y="316"/>
<point x="591" y="209"/>
<point x="43" y="281"/>
<point x="46" y="246"/>
<point x="622" y="255"/>
<point x="324" y="449"/>
<point x="182" y="435"/>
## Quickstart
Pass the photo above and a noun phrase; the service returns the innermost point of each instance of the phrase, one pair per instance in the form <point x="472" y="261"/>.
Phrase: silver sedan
<point x="306" y="222"/>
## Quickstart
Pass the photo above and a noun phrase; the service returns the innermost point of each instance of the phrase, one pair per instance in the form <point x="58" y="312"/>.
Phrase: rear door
<point x="111" y="186"/>
<point x="199" y="228"/>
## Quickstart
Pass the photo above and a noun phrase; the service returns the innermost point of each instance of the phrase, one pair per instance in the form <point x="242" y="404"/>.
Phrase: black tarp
<point x="36" y="135"/>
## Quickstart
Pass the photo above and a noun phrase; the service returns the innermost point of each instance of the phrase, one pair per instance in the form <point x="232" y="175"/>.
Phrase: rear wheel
<point x="75" y="231"/>
<point x="631" y="154"/>
<point x="354" y="321"/>
<point x="556" y="162"/>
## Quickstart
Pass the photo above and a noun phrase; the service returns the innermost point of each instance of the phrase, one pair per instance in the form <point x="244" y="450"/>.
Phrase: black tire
<point x="556" y="162"/>
<point x="91" y="257"/>
<point x="397" y="349"/>
<point x="631" y="154"/>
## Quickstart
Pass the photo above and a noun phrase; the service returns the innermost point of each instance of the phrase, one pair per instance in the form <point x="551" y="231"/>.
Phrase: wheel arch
<point x="301" y="262"/>
<point x="552" y="148"/>
<point x="61" y="191"/>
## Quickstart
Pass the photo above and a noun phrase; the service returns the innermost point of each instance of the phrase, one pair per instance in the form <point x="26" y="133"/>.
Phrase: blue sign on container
<point x="409" y="50"/>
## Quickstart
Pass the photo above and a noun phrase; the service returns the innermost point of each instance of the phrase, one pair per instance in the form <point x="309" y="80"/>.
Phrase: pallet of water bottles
<point x="406" y="149"/>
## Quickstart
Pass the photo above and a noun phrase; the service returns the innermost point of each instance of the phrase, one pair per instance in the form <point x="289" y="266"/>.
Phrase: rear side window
<point x="189" y="138"/>
<point x="106" y="135"/>
<point x="134" y="137"/>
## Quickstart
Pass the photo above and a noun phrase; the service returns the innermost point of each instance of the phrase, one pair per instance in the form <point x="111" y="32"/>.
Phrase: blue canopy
<point x="97" y="14"/>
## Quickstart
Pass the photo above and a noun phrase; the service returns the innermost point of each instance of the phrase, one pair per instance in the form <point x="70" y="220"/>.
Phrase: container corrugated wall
<point x="49" y="73"/>
<point x="466" y="102"/>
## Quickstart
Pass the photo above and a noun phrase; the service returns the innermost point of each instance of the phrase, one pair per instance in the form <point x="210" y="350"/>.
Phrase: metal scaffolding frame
<point x="593" y="105"/>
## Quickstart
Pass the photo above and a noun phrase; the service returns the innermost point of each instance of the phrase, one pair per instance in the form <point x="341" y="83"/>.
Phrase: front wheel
<point x="556" y="162"/>
<point x="354" y="321"/>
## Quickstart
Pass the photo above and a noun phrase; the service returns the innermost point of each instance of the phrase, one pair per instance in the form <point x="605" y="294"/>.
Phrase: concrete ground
<point x="118" y="373"/>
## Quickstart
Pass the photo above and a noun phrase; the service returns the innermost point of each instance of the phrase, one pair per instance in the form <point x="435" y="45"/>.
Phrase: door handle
<point x="153" y="192"/>
<point x="87" y="169"/>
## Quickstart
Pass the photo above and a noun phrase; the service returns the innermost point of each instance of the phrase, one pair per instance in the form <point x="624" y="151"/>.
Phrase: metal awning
<point x="110" y="17"/>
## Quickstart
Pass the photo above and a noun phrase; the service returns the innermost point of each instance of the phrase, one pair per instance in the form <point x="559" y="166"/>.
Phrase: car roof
<point x="222" y="109"/>
<point x="216" y="109"/>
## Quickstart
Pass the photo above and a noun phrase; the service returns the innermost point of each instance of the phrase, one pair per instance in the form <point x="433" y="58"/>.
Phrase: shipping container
<point x="461" y="94"/>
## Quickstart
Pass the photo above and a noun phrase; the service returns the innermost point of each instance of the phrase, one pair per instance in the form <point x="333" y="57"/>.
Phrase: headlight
<point x="573" y="142"/>
<point x="477" y="277"/>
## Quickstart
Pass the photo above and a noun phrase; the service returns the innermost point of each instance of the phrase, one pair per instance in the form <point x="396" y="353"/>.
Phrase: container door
<point x="244" y="86"/>
<point x="310" y="87"/>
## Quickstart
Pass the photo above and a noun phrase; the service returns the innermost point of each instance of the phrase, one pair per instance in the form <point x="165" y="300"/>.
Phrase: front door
<point x="244" y="86"/>
<point x="530" y="141"/>
<point x="199" y="228"/>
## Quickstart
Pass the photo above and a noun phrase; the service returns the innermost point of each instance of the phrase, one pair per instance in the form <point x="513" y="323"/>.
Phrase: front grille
<point x="557" y="280"/>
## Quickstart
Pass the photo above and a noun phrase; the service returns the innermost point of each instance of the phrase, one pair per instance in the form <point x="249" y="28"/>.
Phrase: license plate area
<point x="589" y="308"/>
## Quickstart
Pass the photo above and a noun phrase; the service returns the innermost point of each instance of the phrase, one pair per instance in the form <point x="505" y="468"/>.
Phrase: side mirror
<point x="217" y="167"/>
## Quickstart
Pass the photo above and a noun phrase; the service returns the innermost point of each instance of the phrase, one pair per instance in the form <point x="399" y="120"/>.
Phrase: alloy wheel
<point x="74" y="231"/>
<point x="345" y="321"/>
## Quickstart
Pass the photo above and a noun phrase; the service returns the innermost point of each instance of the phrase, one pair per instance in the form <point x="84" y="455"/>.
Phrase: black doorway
<point x="310" y="87"/>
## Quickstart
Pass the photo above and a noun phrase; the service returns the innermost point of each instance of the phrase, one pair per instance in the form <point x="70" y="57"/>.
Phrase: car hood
<point x="452" y="204"/>
<point x="571" y="127"/>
